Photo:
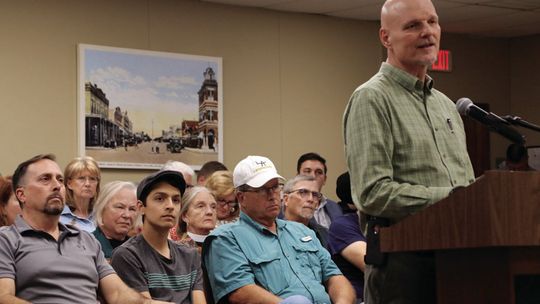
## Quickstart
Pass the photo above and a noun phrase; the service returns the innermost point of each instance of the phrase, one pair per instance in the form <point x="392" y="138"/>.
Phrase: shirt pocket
<point x="268" y="271"/>
<point x="307" y="258"/>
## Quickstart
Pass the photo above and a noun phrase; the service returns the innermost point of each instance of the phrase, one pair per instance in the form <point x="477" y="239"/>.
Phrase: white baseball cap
<point x="254" y="171"/>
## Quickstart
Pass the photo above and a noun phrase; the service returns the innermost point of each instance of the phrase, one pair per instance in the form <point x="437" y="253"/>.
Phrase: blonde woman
<point x="82" y="179"/>
<point x="220" y="184"/>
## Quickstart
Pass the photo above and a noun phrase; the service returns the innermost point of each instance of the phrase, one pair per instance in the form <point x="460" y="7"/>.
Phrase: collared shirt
<point x="320" y="215"/>
<point x="326" y="212"/>
<point x="45" y="270"/>
<point x="405" y="145"/>
<point x="289" y="262"/>
<point x="69" y="218"/>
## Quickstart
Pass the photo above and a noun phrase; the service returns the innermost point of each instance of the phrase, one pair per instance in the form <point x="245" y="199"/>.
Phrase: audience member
<point x="208" y="169"/>
<point x="9" y="207"/>
<point x="343" y="192"/>
<point x="405" y="148"/>
<point x="82" y="180"/>
<point x="517" y="158"/>
<point x="313" y="164"/>
<point x="197" y="217"/>
<point x="346" y="241"/>
<point x="187" y="171"/>
<point x="221" y="186"/>
<point x="44" y="261"/>
<point x="188" y="174"/>
<point x="115" y="213"/>
<point x="266" y="259"/>
<point x="301" y="197"/>
<point x="151" y="263"/>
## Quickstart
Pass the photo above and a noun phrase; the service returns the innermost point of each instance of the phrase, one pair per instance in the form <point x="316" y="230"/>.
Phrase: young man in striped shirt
<point x="151" y="263"/>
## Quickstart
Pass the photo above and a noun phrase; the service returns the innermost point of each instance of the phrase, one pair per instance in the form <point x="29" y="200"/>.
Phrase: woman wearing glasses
<point x="81" y="178"/>
<point x="220" y="184"/>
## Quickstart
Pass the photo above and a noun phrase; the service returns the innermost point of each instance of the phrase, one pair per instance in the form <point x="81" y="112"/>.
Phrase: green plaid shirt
<point x="404" y="143"/>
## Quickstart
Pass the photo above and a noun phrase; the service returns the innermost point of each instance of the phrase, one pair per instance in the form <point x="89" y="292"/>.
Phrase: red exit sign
<point x="444" y="62"/>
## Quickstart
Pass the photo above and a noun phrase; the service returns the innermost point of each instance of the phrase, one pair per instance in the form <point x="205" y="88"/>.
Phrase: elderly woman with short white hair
<point x="115" y="213"/>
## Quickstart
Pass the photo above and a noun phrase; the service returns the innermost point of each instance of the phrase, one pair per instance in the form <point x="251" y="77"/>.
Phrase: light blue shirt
<point x="68" y="218"/>
<point x="291" y="262"/>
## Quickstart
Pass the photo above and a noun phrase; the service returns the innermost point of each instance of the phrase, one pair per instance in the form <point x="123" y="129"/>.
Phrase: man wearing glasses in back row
<point x="301" y="197"/>
<point x="265" y="258"/>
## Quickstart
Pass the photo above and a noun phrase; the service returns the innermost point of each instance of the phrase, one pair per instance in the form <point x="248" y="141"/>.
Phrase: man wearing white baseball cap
<point x="264" y="259"/>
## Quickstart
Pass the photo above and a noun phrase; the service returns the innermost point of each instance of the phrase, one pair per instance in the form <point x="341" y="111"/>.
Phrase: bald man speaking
<point x="405" y="147"/>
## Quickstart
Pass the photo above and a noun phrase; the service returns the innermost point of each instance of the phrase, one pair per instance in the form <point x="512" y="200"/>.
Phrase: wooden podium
<point x="483" y="237"/>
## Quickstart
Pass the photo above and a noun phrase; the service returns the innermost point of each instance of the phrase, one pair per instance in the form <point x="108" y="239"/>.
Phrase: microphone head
<point x="463" y="104"/>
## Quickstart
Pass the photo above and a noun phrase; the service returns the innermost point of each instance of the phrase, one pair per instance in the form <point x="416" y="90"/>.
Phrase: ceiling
<point x="492" y="18"/>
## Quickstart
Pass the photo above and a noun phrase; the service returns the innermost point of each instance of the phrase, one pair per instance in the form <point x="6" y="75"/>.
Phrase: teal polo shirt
<point x="290" y="262"/>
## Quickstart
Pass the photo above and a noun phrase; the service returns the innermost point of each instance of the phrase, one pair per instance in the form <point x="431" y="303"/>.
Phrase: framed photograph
<point x="138" y="109"/>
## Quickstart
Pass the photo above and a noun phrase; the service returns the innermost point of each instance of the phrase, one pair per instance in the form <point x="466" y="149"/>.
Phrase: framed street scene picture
<point x="138" y="109"/>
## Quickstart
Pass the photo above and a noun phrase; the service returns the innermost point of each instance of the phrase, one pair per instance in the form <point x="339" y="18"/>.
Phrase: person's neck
<point x="419" y="72"/>
<point x="269" y="224"/>
<point x="157" y="239"/>
<point x="112" y="235"/>
<point x="199" y="231"/>
<point x="81" y="207"/>
<point x="43" y="222"/>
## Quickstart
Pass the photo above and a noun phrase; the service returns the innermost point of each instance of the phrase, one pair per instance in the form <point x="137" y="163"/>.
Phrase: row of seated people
<point x="242" y="260"/>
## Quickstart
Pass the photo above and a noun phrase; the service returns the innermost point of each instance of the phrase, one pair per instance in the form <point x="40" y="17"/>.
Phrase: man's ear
<point x="140" y="207"/>
<point x="19" y="194"/>
<point x="384" y="37"/>
<point x="240" y="197"/>
<point x="286" y="200"/>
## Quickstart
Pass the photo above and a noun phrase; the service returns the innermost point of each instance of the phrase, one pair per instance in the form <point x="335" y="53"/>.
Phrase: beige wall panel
<point x="321" y="65"/>
<point x="525" y="67"/>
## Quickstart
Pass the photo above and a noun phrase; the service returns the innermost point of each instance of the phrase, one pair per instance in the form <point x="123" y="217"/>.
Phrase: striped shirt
<point x="404" y="143"/>
<point x="144" y="269"/>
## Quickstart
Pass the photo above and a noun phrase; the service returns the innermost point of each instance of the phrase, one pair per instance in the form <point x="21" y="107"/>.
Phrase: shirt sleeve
<point x="7" y="256"/>
<point x="328" y="266"/>
<point x="227" y="266"/>
<point x="129" y="268"/>
<point x="198" y="285"/>
<point x="343" y="232"/>
<point x="369" y="149"/>
<point x="103" y="267"/>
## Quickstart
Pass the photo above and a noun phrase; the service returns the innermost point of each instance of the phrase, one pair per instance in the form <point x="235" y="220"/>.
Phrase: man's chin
<point x="53" y="210"/>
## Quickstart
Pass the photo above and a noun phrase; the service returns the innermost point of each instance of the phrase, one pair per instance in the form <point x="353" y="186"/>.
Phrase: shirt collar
<point x="67" y="211"/>
<point x="248" y="220"/>
<point x="405" y="79"/>
<point x="23" y="227"/>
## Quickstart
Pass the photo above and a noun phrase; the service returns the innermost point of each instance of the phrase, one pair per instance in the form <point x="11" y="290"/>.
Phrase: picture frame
<point x="138" y="109"/>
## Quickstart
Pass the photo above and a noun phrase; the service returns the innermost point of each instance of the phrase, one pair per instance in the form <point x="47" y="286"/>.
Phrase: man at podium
<point x="405" y="147"/>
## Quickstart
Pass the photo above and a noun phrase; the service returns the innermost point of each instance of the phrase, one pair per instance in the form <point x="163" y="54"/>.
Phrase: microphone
<point x="494" y="123"/>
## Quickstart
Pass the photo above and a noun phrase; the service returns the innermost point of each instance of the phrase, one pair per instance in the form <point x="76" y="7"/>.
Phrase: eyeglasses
<point x="223" y="202"/>
<point x="89" y="179"/>
<point x="304" y="193"/>
<point x="264" y="191"/>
